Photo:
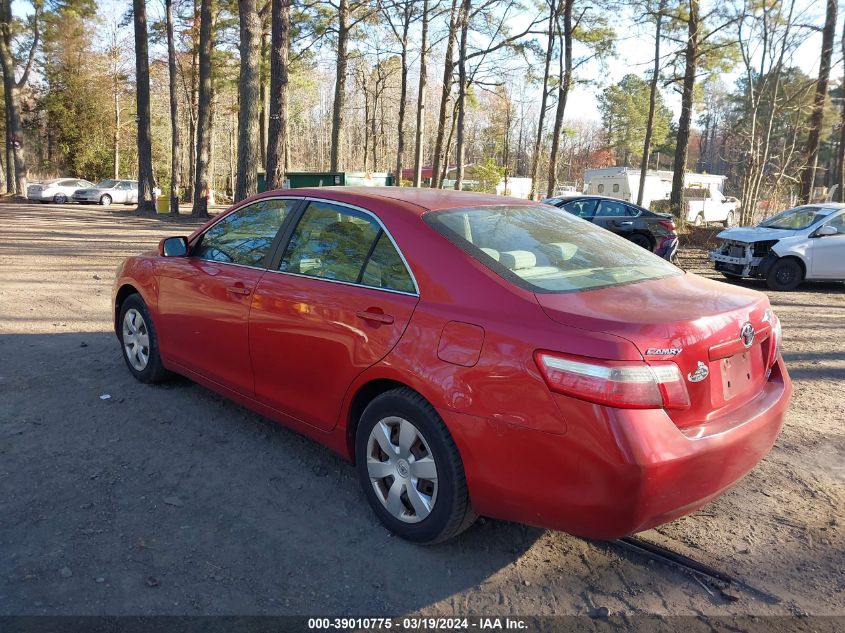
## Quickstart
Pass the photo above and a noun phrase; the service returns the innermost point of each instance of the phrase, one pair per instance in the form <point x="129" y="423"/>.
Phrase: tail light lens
<point x="669" y="225"/>
<point x="774" y="337"/>
<point x="623" y="384"/>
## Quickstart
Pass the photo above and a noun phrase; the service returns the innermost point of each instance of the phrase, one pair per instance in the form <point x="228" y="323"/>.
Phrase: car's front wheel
<point x="784" y="275"/>
<point x="105" y="200"/>
<point x="410" y="469"/>
<point x="139" y="341"/>
<point x="60" y="198"/>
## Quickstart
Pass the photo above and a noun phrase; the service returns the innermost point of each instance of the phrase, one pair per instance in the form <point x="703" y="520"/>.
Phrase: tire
<point x="641" y="240"/>
<point x="147" y="367"/>
<point x="443" y="500"/>
<point x="784" y="275"/>
<point x="105" y="200"/>
<point x="729" y="220"/>
<point x="699" y="220"/>
<point x="60" y="198"/>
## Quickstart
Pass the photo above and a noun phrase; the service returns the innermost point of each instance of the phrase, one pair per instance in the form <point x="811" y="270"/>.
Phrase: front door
<point x="828" y="252"/>
<point x="204" y="299"/>
<point x="336" y="303"/>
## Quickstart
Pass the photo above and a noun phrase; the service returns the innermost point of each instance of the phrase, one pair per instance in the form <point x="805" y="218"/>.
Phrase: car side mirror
<point x="173" y="247"/>
<point x="826" y="230"/>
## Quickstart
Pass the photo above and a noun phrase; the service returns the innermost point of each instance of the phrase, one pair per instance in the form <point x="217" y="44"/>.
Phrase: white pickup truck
<point x="709" y="204"/>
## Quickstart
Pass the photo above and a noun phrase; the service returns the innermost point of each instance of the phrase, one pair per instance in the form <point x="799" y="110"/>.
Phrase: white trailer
<point x="624" y="183"/>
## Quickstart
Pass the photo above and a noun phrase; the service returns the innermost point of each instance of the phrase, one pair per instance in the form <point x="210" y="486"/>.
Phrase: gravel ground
<point x="170" y="500"/>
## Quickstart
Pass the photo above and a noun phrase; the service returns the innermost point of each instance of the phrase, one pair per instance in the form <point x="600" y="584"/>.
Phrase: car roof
<point x="417" y="200"/>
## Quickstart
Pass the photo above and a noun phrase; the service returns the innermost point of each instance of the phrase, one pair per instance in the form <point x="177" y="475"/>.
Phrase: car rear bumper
<point x="619" y="471"/>
<point x="667" y="248"/>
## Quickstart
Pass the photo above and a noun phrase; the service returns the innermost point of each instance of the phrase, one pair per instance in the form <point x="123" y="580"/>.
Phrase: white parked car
<point x="108" y="191"/>
<point x="804" y="243"/>
<point x="59" y="190"/>
<point x="709" y="204"/>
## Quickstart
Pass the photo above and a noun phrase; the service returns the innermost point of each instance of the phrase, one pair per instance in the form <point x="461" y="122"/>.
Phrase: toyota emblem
<point x="747" y="335"/>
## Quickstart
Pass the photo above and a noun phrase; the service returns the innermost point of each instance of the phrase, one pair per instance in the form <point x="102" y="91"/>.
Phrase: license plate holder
<point x="736" y="374"/>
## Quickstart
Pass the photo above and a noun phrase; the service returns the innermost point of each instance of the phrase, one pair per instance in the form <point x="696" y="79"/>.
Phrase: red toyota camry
<point x="469" y="353"/>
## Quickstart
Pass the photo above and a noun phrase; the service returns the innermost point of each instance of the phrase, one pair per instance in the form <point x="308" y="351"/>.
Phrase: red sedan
<point x="469" y="353"/>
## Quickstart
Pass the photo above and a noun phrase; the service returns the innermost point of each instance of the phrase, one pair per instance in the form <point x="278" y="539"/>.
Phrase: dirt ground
<point x="171" y="500"/>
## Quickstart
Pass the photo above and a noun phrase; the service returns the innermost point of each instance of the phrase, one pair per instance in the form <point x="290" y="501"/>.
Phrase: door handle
<point x="238" y="290"/>
<point x="624" y="223"/>
<point x="376" y="317"/>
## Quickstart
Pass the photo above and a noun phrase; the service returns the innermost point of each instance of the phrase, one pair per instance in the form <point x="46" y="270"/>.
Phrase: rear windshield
<point x="546" y="249"/>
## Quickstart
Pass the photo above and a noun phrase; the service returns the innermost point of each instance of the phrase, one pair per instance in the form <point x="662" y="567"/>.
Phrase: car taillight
<point x="669" y="225"/>
<point x="774" y="337"/>
<point x="623" y="384"/>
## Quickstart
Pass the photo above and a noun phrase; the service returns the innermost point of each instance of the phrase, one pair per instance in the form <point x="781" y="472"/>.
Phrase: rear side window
<point x="244" y="236"/>
<point x="612" y="209"/>
<point x="545" y="249"/>
<point x="343" y="244"/>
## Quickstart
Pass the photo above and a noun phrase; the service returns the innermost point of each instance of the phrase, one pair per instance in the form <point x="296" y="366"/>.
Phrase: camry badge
<point x="747" y="335"/>
<point x="662" y="351"/>
<point x="701" y="372"/>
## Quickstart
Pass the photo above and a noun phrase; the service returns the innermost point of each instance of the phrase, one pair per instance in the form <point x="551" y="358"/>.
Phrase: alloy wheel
<point x="136" y="339"/>
<point x="402" y="469"/>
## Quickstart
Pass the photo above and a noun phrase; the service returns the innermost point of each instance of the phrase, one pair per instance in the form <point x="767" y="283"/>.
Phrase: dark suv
<point x="653" y="231"/>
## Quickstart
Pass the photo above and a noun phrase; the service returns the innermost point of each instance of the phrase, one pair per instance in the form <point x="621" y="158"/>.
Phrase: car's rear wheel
<point x="410" y="469"/>
<point x="641" y="240"/>
<point x="784" y="275"/>
<point x="60" y="198"/>
<point x="105" y="200"/>
<point x="139" y="341"/>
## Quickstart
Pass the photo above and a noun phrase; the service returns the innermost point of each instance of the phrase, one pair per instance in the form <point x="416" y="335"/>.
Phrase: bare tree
<point x="562" y="93"/>
<point x="550" y="46"/>
<point x="200" y="206"/>
<point x="808" y="176"/>
<point x="246" y="183"/>
<point x="146" y="178"/>
<point x="277" y="132"/>
<point x="652" y="100"/>
<point x="441" y="156"/>
<point x="175" y="140"/>
<point x="421" y="95"/>
<point x="16" y="182"/>
<point x="841" y="152"/>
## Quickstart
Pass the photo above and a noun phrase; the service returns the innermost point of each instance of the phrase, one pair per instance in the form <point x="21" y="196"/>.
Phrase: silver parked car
<point x="108" y="191"/>
<point x="58" y="190"/>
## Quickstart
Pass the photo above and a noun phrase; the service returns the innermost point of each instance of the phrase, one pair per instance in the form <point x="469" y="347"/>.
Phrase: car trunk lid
<point x="695" y="322"/>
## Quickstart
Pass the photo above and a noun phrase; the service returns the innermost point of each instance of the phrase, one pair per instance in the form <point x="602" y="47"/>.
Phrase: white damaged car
<point x="804" y="243"/>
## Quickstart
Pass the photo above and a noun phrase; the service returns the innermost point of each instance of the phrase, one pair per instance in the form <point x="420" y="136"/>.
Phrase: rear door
<point x="615" y="216"/>
<point x="204" y="300"/>
<point x="335" y="302"/>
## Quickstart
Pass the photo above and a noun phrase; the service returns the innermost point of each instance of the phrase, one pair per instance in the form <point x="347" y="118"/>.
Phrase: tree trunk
<point x="841" y="152"/>
<point x="448" y="70"/>
<point x="249" y="98"/>
<point x="562" y="95"/>
<point x="403" y="96"/>
<point x="264" y="98"/>
<point x="200" y="207"/>
<point x="550" y="45"/>
<point x="192" y="115"/>
<point x="10" y="156"/>
<point x="14" y="128"/>
<point x="652" y="103"/>
<point x="175" y="140"/>
<point x="463" y="20"/>
<point x="421" y="90"/>
<point x="146" y="179"/>
<point x="690" y="59"/>
<point x="808" y="175"/>
<point x="342" y="61"/>
<point x="277" y="133"/>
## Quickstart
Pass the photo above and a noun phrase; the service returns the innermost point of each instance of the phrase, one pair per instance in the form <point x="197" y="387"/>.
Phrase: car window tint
<point x="67" y="183"/>
<point x="581" y="208"/>
<point x="631" y="211"/>
<point x="611" y="208"/>
<point x="838" y="223"/>
<point x="245" y="236"/>
<point x="385" y="268"/>
<point x="331" y="242"/>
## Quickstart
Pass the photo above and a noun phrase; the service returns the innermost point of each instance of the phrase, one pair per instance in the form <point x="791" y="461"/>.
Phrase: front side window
<point x="611" y="209"/>
<point x="545" y="249"/>
<point x="581" y="208"/>
<point x="838" y="223"/>
<point x="106" y="184"/>
<point x="244" y="236"/>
